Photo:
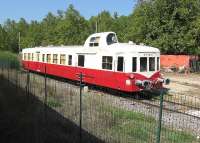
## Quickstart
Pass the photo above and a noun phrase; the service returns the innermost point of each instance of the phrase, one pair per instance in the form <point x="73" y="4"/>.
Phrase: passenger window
<point x="151" y="63"/>
<point x="107" y="62"/>
<point x="43" y="57"/>
<point x="81" y="60"/>
<point x="70" y="60"/>
<point x="134" y="64"/>
<point x="62" y="59"/>
<point x="158" y="63"/>
<point x="48" y="58"/>
<point x="32" y="57"/>
<point x="38" y="57"/>
<point x="29" y="56"/>
<point x="120" y="63"/>
<point x="25" y="56"/>
<point x="143" y="64"/>
<point x="55" y="58"/>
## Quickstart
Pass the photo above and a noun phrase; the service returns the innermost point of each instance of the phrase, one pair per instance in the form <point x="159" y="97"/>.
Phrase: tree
<point x="3" y="39"/>
<point x="10" y="28"/>
<point x="166" y="24"/>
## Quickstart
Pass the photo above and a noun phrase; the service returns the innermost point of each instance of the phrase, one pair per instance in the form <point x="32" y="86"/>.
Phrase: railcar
<point x="107" y="63"/>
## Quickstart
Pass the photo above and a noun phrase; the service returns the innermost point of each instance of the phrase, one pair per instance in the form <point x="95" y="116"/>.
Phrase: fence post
<point x="16" y="82"/>
<point x="2" y="69"/>
<point x="45" y="93"/>
<point x="8" y="66"/>
<point x="27" y="83"/>
<point x="160" y="117"/>
<point x="80" y="121"/>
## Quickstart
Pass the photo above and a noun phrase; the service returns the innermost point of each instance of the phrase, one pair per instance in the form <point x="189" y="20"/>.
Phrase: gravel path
<point x="184" y="84"/>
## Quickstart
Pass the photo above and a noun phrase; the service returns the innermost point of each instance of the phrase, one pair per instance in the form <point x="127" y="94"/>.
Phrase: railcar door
<point x="119" y="74"/>
<point x="37" y="63"/>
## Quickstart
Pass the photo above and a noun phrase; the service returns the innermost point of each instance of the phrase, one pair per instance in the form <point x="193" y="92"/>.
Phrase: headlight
<point x="128" y="82"/>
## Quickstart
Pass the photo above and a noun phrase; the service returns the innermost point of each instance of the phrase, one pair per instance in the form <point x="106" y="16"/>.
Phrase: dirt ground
<point x="184" y="84"/>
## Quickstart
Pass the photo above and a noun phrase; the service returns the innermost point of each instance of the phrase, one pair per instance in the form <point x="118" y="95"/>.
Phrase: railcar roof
<point x="114" y="48"/>
<point x="102" y="46"/>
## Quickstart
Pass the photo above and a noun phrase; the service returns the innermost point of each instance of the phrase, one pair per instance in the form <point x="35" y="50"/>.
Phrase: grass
<point x="53" y="103"/>
<point x="140" y="128"/>
<point x="9" y="59"/>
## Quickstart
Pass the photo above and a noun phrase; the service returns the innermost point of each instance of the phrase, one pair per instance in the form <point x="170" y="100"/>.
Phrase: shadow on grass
<point x="23" y="120"/>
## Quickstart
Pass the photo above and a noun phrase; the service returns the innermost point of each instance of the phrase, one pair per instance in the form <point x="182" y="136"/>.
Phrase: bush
<point x="9" y="59"/>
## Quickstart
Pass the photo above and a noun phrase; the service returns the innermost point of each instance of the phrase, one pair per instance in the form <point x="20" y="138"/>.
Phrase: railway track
<point x="170" y="106"/>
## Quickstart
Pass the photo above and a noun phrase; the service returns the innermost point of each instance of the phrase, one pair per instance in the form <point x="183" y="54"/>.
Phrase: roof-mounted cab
<point x="101" y="39"/>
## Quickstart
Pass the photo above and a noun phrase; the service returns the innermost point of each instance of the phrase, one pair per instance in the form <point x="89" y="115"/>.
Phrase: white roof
<point x="103" y="47"/>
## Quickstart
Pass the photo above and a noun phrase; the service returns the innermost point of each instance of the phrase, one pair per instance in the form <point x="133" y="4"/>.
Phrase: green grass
<point x="140" y="128"/>
<point x="52" y="102"/>
<point x="9" y="59"/>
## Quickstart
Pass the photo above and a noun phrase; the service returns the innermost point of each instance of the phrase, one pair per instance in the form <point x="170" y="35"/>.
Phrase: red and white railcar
<point x="108" y="63"/>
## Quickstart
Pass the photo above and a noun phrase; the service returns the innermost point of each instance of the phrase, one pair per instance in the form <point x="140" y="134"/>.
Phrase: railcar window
<point x="38" y="57"/>
<point x="143" y="64"/>
<point x="111" y="38"/>
<point x="29" y="56"/>
<point x="151" y="63"/>
<point x="158" y="63"/>
<point x="120" y="64"/>
<point x="69" y="59"/>
<point x="81" y="60"/>
<point x="25" y="56"/>
<point x="32" y="56"/>
<point x="55" y="58"/>
<point x="62" y="59"/>
<point x="94" y="41"/>
<point x="134" y="64"/>
<point x="48" y="58"/>
<point x="43" y="57"/>
<point x="107" y="62"/>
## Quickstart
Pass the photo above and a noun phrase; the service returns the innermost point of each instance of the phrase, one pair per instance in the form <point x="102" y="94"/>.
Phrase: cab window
<point x="111" y="38"/>
<point x="151" y="63"/>
<point x="143" y="64"/>
<point x="158" y="63"/>
<point x="134" y="64"/>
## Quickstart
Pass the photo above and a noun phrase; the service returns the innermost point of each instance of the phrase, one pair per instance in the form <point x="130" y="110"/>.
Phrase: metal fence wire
<point x="82" y="114"/>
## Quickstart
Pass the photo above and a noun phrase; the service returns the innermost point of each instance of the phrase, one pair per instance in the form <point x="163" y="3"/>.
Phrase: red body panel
<point x="105" y="78"/>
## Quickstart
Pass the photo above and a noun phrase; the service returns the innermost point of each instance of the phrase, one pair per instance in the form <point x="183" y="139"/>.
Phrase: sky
<point x="38" y="9"/>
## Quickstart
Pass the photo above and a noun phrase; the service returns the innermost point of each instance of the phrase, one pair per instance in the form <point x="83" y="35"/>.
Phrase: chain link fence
<point x="100" y="116"/>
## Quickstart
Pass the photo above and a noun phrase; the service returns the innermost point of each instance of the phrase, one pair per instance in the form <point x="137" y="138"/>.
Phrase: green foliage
<point x="8" y="59"/>
<point x="167" y="24"/>
<point x="172" y="26"/>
